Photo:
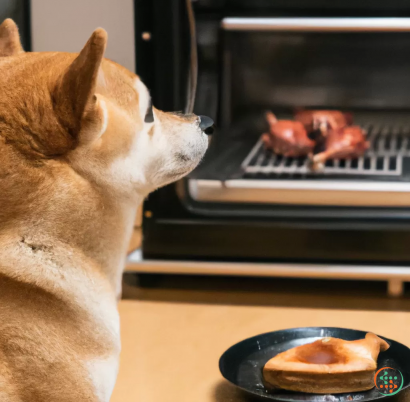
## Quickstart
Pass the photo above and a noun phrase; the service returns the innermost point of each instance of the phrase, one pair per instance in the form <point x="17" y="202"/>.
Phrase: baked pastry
<point x="327" y="366"/>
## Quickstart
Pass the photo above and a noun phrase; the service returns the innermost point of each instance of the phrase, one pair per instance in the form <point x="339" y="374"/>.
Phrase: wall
<point x="65" y="25"/>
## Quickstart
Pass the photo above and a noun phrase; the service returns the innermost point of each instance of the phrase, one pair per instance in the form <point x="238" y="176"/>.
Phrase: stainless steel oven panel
<point x="395" y="276"/>
<point x="317" y="24"/>
<point x="306" y="192"/>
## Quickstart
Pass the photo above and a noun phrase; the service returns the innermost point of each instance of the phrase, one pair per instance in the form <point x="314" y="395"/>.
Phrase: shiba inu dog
<point x="80" y="147"/>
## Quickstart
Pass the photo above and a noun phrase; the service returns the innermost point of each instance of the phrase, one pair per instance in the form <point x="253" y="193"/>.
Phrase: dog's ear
<point x="80" y="110"/>
<point x="10" y="44"/>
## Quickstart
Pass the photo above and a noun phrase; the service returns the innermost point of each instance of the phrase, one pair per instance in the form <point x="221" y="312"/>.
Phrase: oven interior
<point x="366" y="73"/>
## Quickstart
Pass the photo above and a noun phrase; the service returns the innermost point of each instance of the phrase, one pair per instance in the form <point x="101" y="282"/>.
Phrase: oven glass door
<point x="361" y="66"/>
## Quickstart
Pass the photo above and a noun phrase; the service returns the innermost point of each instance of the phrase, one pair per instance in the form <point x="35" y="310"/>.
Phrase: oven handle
<point x="317" y="24"/>
<point x="193" y="60"/>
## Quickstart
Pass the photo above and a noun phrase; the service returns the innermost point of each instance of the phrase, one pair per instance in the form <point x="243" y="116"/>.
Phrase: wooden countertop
<point x="174" y="334"/>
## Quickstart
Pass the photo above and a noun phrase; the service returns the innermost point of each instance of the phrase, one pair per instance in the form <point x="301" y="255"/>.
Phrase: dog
<point x="77" y="155"/>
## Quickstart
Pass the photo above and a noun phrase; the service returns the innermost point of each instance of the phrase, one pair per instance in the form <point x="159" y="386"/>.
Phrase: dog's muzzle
<point x="207" y="125"/>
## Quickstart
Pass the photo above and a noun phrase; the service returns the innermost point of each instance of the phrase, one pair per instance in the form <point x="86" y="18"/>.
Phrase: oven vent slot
<point x="388" y="146"/>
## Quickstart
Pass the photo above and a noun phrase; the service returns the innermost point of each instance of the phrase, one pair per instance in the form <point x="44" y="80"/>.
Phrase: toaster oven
<point x="251" y="212"/>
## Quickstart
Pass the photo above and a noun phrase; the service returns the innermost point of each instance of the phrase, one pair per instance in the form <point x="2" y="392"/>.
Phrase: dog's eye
<point x="149" y="116"/>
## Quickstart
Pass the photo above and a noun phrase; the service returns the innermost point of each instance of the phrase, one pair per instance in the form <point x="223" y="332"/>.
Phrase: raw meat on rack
<point x="323" y="120"/>
<point x="287" y="137"/>
<point x="345" y="143"/>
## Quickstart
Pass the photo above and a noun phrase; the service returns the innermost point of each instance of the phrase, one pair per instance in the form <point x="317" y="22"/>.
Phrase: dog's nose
<point x="206" y="124"/>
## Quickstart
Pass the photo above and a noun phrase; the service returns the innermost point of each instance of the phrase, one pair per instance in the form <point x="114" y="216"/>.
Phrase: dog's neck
<point x="74" y="213"/>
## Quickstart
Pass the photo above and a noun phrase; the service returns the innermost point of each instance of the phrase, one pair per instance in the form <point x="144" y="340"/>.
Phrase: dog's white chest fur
<point x="103" y="373"/>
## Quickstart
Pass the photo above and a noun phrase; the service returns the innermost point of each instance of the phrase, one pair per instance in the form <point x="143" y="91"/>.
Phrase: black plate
<point x="242" y="364"/>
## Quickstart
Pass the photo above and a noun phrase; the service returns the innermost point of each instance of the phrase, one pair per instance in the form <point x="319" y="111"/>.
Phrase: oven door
<point x="357" y="65"/>
<point x="228" y="210"/>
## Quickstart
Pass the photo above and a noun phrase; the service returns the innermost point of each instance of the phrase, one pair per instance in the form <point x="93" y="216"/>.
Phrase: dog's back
<point x="59" y="327"/>
<point x="58" y="340"/>
<point x="76" y="157"/>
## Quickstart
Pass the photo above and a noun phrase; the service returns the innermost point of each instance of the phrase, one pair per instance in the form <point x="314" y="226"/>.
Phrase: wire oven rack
<point x="388" y="146"/>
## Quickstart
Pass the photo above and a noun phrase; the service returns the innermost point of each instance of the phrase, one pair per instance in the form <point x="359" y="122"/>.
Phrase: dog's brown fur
<point x="68" y="128"/>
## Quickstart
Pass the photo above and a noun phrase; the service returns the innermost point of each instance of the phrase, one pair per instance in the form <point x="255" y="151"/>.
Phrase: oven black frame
<point x="176" y="228"/>
<point x="26" y="32"/>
